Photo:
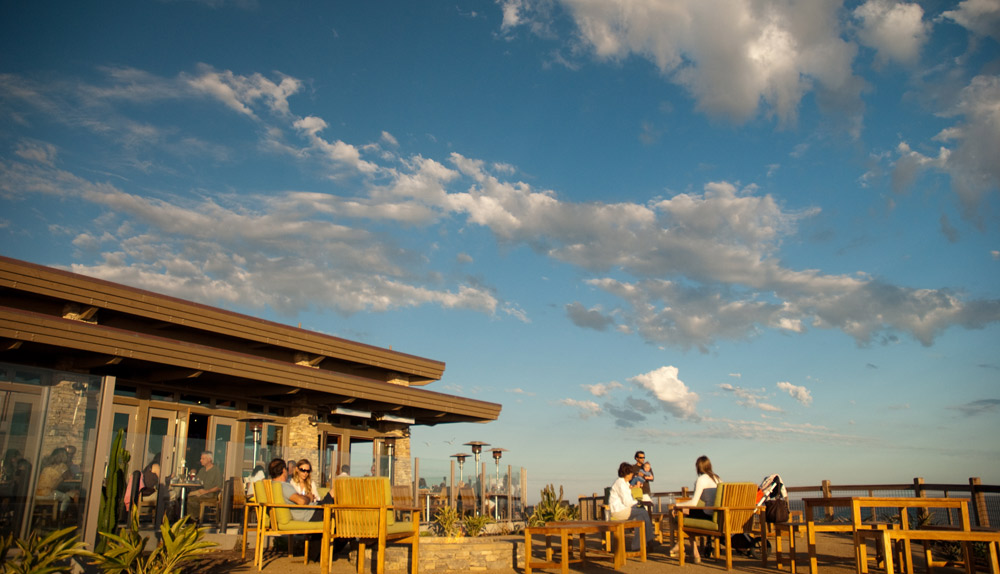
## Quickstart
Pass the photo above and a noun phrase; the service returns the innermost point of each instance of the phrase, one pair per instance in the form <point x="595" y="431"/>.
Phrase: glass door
<point x="161" y="440"/>
<point x="329" y="457"/>
<point x="125" y="417"/>
<point x="220" y="436"/>
<point x="20" y="441"/>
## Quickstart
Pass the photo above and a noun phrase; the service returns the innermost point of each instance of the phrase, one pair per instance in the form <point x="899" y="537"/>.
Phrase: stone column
<point x="303" y="438"/>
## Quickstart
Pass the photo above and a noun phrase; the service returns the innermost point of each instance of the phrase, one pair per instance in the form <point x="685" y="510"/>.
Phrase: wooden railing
<point x="974" y="491"/>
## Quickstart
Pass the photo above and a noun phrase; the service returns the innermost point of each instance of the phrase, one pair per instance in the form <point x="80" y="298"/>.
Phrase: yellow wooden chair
<point x="274" y="518"/>
<point x="365" y="511"/>
<point x="733" y="513"/>
<point x="466" y="500"/>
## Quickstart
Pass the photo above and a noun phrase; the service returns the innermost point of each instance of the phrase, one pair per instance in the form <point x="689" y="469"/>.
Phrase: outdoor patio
<point x="835" y="557"/>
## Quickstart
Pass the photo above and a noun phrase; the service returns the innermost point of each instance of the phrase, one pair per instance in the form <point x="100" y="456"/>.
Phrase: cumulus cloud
<point x="798" y="393"/>
<point x="975" y="176"/>
<point x="980" y="16"/>
<point x="586" y="409"/>
<point x="683" y="271"/>
<point x="750" y="398"/>
<point x="734" y="56"/>
<point x="670" y="392"/>
<point x="590" y="318"/>
<point x="602" y="389"/>
<point x="896" y="30"/>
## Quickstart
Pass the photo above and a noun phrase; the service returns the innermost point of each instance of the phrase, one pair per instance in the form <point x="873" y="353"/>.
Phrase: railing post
<point x="827" y="493"/>
<point x="979" y="503"/>
<point x="918" y="492"/>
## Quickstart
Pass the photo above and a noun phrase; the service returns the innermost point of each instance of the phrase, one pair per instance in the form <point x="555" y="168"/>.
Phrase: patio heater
<point x="497" y="453"/>
<point x="390" y="449"/>
<point x="477" y="448"/>
<point x="257" y="426"/>
<point x="460" y="457"/>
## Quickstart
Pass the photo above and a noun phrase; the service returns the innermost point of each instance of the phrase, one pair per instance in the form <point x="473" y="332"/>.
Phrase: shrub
<point x="476" y="525"/>
<point x="446" y="521"/>
<point x="50" y="555"/>
<point x="126" y="552"/>
<point x="552" y="508"/>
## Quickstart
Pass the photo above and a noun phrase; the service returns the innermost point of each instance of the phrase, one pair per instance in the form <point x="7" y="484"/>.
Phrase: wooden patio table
<point x="904" y="534"/>
<point x="581" y="528"/>
<point x="812" y="528"/>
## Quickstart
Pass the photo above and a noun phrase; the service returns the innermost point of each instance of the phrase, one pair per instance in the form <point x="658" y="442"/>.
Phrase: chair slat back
<point x="260" y="494"/>
<point x="281" y="516"/>
<point x="373" y="492"/>
<point x="739" y="494"/>
<point x="467" y="499"/>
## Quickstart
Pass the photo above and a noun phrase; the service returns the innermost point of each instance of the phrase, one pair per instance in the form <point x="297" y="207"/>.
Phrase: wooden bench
<point x="580" y="528"/>
<point x="899" y="537"/>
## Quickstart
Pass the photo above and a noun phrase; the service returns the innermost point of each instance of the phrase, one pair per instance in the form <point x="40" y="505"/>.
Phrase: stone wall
<point x="453" y="555"/>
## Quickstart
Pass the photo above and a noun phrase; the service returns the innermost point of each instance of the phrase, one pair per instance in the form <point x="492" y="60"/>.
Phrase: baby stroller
<point x="774" y="497"/>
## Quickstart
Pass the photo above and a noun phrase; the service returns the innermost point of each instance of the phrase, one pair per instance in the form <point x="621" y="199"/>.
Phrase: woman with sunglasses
<point x="302" y="481"/>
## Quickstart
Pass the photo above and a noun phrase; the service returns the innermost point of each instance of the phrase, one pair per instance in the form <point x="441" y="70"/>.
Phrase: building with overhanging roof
<point x="82" y="357"/>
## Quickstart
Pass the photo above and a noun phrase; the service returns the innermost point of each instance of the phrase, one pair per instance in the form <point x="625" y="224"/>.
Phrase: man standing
<point x="211" y="485"/>
<point x="644" y="470"/>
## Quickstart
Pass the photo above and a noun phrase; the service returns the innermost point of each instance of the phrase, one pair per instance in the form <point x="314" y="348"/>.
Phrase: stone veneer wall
<point x="302" y="435"/>
<point x="453" y="554"/>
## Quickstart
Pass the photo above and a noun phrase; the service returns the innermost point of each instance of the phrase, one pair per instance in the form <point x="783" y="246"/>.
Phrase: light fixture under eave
<point x="395" y="419"/>
<point x="351" y="412"/>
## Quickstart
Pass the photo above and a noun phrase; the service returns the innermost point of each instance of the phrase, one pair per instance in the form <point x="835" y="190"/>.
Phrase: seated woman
<point x="55" y="469"/>
<point x="704" y="495"/>
<point x="624" y="507"/>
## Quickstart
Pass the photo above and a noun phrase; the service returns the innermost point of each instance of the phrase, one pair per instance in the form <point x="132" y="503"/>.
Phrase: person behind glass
<point x="623" y="507"/>
<point x="210" y="478"/>
<point x="704" y="492"/>
<point x="55" y="469"/>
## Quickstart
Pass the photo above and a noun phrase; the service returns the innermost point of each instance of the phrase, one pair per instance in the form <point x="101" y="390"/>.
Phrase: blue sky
<point x="762" y="231"/>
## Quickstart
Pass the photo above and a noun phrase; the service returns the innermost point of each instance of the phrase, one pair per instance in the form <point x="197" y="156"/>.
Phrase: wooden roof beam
<point x="164" y="375"/>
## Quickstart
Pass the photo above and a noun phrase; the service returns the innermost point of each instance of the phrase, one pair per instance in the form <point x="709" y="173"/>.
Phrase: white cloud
<point x="798" y="393"/>
<point x="39" y="152"/>
<point x="734" y="56"/>
<point x="980" y="16"/>
<point x="673" y="395"/>
<point x="683" y="271"/>
<point x="602" y="389"/>
<point x="896" y="30"/>
<point x="974" y="175"/>
<point x="586" y="409"/>
<point x="749" y="398"/>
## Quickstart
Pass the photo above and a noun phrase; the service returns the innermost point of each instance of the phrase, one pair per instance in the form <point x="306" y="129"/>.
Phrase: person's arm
<point x="699" y="486"/>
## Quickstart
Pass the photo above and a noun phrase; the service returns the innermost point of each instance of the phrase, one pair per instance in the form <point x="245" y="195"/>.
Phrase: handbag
<point x="776" y="510"/>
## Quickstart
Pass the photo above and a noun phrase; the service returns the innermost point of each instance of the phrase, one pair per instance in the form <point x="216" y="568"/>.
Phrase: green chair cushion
<point x="399" y="527"/>
<point x="701" y="523"/>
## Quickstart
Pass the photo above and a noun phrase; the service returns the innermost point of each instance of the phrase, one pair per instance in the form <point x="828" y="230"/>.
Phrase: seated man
<point x="279" y="474"/>
<point x="211" y="485"/>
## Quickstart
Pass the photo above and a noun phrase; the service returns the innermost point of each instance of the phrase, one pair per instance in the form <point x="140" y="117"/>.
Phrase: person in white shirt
<point x="623" y="506"/>
<point x="704" y="491"/>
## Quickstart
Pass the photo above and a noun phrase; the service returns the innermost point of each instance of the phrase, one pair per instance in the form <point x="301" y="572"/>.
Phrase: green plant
<point x="447" y="522"/>
<point x="476" y="525"/>
<point x="49" y="555"/>
<point x="180" y="543"/>
<point x="113" y="491"/>
<point x="552" y="508"/>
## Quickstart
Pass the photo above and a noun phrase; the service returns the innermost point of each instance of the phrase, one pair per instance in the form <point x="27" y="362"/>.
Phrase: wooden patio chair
<point x="733" y="513"/>
<point x="402" y="496"/>
<point x="365" y="511"/>
<point x="466" y="500"/>
<point x="274" y="518"/>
